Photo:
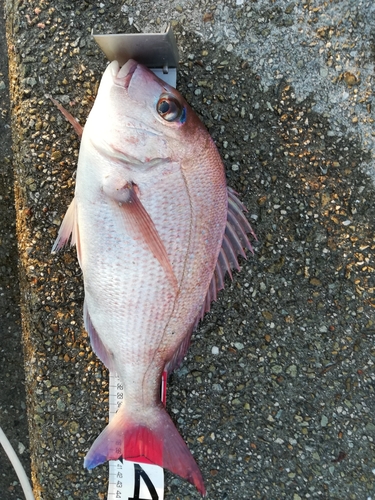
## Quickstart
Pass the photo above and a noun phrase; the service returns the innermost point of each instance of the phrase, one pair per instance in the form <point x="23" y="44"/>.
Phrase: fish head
<point x="139" y="118"/>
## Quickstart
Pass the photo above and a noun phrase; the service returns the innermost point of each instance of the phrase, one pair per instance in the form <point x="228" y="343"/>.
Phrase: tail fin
<point x="156" y="441"/>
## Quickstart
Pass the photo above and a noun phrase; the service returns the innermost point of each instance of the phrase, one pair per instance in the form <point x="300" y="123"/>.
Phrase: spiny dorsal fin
<point x="77" y="127"/>
<point x="235" y="242"/>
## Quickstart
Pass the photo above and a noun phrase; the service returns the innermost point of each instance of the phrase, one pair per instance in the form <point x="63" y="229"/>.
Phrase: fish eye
<point x="170" y="109"/>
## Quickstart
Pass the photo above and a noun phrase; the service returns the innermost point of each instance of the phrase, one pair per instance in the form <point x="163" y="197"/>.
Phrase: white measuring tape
<point x="131" y="480"/>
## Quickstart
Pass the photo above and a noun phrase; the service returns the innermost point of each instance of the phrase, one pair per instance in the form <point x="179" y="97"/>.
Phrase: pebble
<point x="324" y="421"/>
<point x="21" y="448"/>
<point x="60" y="404"/>
<point x="276" y="369"/>
<point x="315" y="282"/>
<point x="292" y="370"/>
<point x="56" y="155"/>
<point x="73" y="427"/>
<point x="267" y="315"/>
<point x="29" y="81"/>
<point x="289" y="8"/>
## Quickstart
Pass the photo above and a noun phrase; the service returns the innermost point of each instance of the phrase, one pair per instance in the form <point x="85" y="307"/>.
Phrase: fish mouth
<point x="125" y="73"/>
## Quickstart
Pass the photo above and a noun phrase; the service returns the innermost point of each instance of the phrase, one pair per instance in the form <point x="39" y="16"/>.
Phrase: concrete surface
<point x="13" y="419"/>
<point x="276" y="395"/>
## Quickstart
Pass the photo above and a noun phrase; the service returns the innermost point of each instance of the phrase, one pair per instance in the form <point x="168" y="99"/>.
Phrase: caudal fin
<point x="156" y="441"/>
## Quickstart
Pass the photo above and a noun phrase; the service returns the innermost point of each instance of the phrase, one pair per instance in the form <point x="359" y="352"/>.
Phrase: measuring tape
<point x="131" y="480"/>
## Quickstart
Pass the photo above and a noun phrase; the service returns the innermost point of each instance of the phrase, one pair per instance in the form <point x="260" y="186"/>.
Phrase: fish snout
<point x="125" y="74"/>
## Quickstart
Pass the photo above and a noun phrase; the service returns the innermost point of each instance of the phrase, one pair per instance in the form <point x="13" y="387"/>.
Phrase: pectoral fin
<point x="140" y="226"/>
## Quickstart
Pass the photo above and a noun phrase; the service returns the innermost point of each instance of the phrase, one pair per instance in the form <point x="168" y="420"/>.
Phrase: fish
<point x="156" y="229"/>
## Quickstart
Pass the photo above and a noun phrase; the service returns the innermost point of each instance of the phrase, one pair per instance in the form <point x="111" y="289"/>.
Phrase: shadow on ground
<point x="13" y="419"/>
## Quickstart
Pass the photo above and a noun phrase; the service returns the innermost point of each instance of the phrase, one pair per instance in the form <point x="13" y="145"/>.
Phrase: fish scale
<point x="145" y="287"/>
<point x="155" y="235"/>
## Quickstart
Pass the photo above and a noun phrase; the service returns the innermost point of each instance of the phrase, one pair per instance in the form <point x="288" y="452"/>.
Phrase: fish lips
<point x="125" y="73"/>
<point x="138" y="81"/>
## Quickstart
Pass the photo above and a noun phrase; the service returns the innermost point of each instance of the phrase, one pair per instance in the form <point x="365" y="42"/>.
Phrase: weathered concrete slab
<point x="276" y="396"/>
<point x="13" y="420"/>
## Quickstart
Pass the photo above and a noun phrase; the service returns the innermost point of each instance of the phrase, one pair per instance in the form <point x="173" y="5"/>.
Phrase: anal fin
<point x="96" y="343"/>
<point x="180" y="352"/>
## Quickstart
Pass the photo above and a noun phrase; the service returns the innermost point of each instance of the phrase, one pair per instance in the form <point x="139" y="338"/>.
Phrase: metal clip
<point x="157" y="51"/>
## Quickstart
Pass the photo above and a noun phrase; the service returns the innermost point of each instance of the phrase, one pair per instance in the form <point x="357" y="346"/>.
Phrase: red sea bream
<point x="156" y="229"/>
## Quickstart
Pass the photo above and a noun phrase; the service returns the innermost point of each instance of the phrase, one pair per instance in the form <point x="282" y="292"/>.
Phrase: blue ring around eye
<point x="183" y="116"/>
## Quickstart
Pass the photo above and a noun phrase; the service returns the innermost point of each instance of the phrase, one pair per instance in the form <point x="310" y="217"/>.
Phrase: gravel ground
<point x="276" y="395"/>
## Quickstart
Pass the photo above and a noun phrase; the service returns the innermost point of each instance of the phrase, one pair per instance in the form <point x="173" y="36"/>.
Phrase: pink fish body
<point x="155" y="229"/>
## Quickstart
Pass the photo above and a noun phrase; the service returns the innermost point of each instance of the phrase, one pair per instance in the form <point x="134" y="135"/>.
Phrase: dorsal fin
<point x="235" y="242"/>
<point x="70" y="118"/>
